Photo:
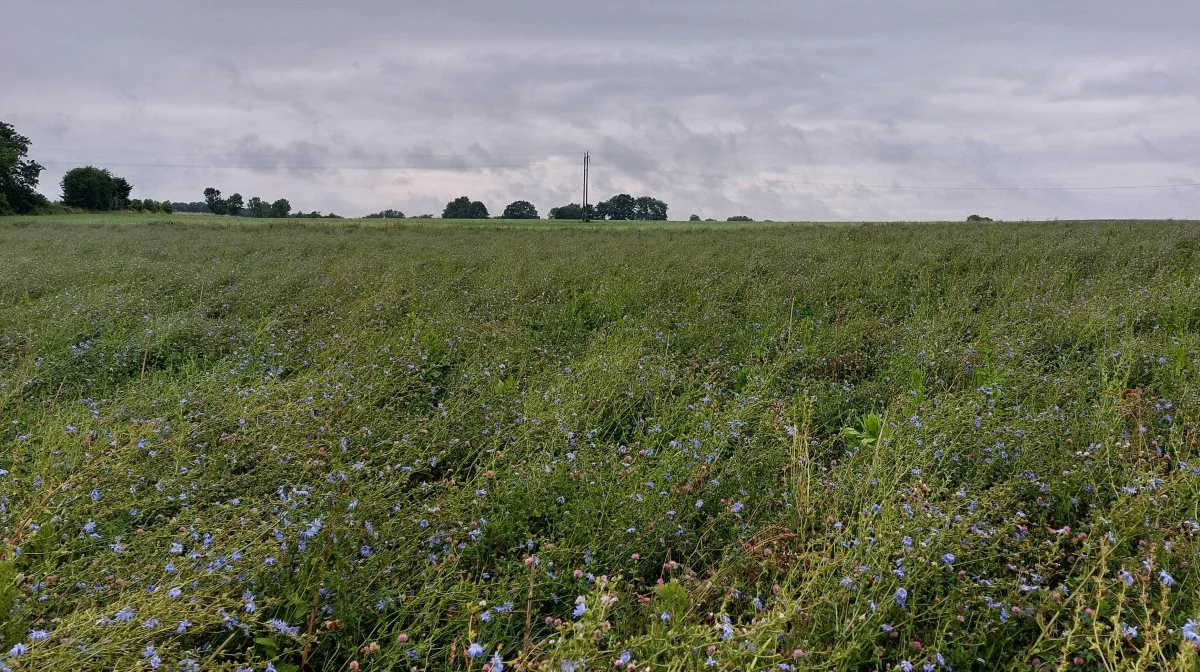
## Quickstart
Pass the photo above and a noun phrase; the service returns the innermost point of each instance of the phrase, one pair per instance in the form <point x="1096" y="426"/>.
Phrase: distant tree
<point x="123" y="189"/>
<point x="256" y="207"/>
<point x="739" y="218"/>
<point x="333" y="216"/>
<point x="386" y="214"/>
<point x="18" y="175"/>
<point x="978" y="218"/>
<point x="233" y="205"/>
<point x="92" y="188"/>
<point x="621" y="207"/>
<point x="457" y="209"/>
<point x="136" y="205"/>
<point x="624" y="207"/>
<point x="464" y="208"/>
<point x="710" y="219"/>
<point x="649" y="208"/>
<point x="194" y="206"/>
<point x="694" y="218"/>
<point x="569" y="211"/>
<point x="425" y="216"/>
<point x="280" y="208"/>
<point x="520" y="210"/>
<point x="151" y="205"/>
<point x="216" y="204"/>
<point x="167" y="207"/>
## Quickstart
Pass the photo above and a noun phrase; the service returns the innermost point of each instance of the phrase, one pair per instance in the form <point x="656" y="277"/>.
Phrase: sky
<point x="774" y="109"/>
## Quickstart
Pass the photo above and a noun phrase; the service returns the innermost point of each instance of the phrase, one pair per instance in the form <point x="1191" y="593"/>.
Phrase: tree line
<point x="618" y="208"/>
<point x="255" y="207"/>
<point x="83" y="188"/>
<point x="97" y="189"/>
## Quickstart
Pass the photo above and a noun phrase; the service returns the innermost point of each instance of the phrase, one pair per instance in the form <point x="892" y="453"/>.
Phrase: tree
<point x="978" y="218"/>
<point x="739" y="218"/>
<point x="649" y="208"/>
<point x="94" y="188"/>
<point x="216" y="204"/>
<point x="233" y="205"/>
<point x="621" y="207"/>
<point x="694" y="218"/>
<point x="464" y="208"/>
<point x="572" y="211"/>
<point x="569" y="211"/>
<point x="18" y="175"/>
<point x="123" y="189"/>
<point x="281" y="208"/>
<point x="167" y="207"/>
<point x="386" y="214"/>
<point x="520" y="210"/>
<point x="625" y="207"/>
<point x="257" y="207"/>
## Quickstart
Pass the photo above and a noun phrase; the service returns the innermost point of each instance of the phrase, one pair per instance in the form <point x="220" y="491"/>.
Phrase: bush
<point x="91" y="188"/>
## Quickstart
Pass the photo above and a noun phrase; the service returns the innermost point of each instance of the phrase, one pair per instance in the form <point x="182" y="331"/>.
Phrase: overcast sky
<point x="777" y="109"/>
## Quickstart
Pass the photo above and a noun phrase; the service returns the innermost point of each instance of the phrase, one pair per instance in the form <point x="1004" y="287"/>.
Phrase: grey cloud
<point x="1147" y="81"/>
<point x="771" y="108"/>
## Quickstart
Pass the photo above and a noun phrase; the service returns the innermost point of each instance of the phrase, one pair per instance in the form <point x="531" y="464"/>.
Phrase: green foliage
<point x="121" y="188"/>
<point x="386" y="214"/>
<point x="666" y="446"/>
<point x="95" y="189"/>
<point x="464" y="208"/>
<point x="194" y="206"/>
<point x="234" y="205"/>
<point x="694" y="218"/>
<point x="256" y="207"/>
<point x="572" y="211"/>
<point x="624" y="207"/>
<point x="868" y="434"/>
<point x="520" y="210"/>
<point x="213" y="200"/>
<point x="739" y="218"/>
<point x="18" y="175"/>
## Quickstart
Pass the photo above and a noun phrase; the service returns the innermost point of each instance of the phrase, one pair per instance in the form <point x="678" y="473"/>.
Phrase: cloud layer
<point x="854" y="109"/>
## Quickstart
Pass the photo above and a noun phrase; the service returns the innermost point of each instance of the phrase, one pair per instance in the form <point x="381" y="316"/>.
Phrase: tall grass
<point x="269" y="445"/>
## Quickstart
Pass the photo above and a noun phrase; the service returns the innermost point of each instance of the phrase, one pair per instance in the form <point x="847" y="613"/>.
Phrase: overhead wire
<point x="459" y="162"/>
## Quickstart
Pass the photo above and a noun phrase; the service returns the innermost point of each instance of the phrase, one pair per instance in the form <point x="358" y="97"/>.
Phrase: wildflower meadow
<point x="235" y="445"/>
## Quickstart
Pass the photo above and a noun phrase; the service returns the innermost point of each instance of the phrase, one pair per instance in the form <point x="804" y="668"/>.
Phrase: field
<point x="389" y="446"/>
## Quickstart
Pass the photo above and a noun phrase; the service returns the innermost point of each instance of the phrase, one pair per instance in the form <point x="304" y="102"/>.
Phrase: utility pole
<point x="587" y="161"/>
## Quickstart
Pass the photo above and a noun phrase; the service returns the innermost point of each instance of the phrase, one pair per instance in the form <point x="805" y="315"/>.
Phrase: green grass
<point x="732" y="443"/>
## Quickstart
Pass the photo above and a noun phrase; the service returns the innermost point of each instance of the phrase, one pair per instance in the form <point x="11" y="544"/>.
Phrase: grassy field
<point x="236" y="444"/>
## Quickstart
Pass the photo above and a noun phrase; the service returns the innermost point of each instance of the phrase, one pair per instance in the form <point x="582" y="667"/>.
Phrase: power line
<point x="466" y="166"/>
<point x="219" y="154"/>
<point x="238" y="166"/>
<point x="909" y="187"/>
